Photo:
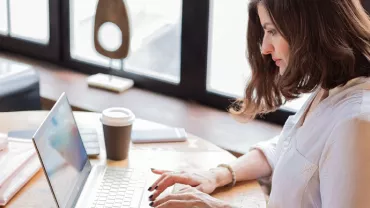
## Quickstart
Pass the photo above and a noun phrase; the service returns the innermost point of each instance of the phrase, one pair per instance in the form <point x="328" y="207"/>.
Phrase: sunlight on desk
<point x="195" y="153"/>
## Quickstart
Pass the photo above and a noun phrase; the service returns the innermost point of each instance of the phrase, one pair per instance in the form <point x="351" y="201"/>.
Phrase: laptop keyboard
<point x="120" y="188"/>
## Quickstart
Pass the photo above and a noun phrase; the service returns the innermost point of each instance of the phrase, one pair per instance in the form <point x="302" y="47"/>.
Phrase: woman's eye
<point x="272" y="32"/>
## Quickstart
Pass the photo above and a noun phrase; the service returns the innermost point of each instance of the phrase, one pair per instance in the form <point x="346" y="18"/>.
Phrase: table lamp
<point x="113" y="12"/>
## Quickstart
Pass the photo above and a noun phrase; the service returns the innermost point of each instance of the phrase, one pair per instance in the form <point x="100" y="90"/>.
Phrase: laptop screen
<point x="62" y="154"/>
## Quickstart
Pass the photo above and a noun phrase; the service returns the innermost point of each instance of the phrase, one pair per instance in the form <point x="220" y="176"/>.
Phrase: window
<point x="193" y="49"/>
<point x="29" y="24"/>
<point x="30" y="27"/>
<point x="228" y="69"/>
<point x="3" y="17"/>
<point x="155" y="47"/>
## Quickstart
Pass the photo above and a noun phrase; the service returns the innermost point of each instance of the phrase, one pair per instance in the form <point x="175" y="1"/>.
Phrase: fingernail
<point x="151" y="204"/>
<point x="150" y="188"/>
<point x="150" y="197"/>
<point x="152" y="169"/>
<point x="156" y="187"/>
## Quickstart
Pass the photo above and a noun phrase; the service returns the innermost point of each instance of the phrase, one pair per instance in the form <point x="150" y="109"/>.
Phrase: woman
<point x="322" y="156"/>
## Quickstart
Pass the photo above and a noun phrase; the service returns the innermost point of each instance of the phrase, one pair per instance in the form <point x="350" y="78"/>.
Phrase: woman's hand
<point x="189" y="197"/>
<point x="204" y="181"/>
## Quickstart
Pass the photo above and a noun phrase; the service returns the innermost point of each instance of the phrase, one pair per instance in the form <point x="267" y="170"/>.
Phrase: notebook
<point x="19" y="163"/>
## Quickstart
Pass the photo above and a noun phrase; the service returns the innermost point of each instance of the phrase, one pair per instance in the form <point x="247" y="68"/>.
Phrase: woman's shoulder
<point x="352" y="112"/>
<point x="351" y="104"/>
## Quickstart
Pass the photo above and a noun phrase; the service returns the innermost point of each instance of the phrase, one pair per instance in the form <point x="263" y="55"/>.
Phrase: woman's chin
<point x="281" y="70"/>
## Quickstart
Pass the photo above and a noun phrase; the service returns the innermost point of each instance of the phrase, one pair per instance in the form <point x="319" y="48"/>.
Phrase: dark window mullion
<point x="194" y="45"/>
<point x="65" y="31"/>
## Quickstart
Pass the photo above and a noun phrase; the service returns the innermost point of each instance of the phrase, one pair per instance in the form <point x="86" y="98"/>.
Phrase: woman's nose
<point x="267" y="48"/>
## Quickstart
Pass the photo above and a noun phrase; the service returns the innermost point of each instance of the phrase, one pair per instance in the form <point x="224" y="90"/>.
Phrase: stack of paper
<point x="19" y="162"/>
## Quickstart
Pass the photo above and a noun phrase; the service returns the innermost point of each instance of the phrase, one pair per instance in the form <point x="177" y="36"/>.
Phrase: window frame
<point x="50" y="51"/>
<point x="193" y="65"/>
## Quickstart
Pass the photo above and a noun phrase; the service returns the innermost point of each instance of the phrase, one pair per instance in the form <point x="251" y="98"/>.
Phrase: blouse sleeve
<point x="268" y="148"/>
<point x="345" y="165"/>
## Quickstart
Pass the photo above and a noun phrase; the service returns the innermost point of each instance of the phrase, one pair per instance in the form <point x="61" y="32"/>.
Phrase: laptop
<point x="73" y="181"/>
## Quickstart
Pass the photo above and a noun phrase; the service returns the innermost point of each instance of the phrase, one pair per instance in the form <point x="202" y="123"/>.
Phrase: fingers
<point x="174" y="199"/>
<point x="168" y="179"/>
<point x="155" y="184"/>
<point x="200" y="188"/>
<point x="178" y="204"/>
<point x="183" y="196"/>
<point x="186" y="188"/>
<point x="159" y="172"/>
<point x="191" y="189"/>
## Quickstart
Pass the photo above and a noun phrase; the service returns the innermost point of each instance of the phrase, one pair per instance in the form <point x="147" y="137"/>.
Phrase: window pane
<point x="3" y="17"/>
<point x="228" y="68"/>
<point x="155" y="37"/>
<point x="227" y="65"/>
<point x="29" y="20"/>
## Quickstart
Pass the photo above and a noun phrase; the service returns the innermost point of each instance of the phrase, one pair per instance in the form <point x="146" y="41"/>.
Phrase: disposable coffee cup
<point x="117" y="126"/>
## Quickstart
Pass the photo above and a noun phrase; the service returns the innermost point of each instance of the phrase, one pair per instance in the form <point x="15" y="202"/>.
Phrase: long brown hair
<point x="329" y="42"/>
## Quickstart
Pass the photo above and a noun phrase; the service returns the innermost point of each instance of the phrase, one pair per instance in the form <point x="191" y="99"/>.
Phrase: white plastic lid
<point x="117" y="117"/>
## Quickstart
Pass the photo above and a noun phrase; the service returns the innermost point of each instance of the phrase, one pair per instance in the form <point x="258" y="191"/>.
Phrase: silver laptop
<point x="74" y="182"/>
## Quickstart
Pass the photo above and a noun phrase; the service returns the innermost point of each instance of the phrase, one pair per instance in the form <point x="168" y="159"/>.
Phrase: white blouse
<point x="326" y="161"/>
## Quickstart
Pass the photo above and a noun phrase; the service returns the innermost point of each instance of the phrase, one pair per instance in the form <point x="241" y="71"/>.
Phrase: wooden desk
<point x="196" y="153"/>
